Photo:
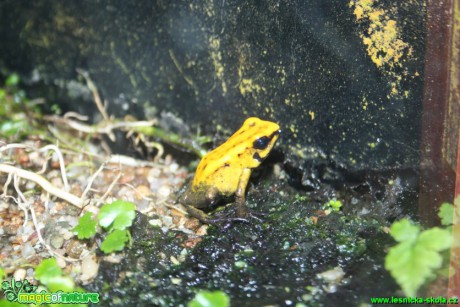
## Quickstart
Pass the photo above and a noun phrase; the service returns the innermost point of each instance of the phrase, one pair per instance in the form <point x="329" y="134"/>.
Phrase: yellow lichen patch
<point x="365" y="103"/>
<point x="312" y="115"/>
<point x="216" y="56"/>
<point x="383" y="39"/>
<point x="358" y="12"/>
<point x="248" y="86"/>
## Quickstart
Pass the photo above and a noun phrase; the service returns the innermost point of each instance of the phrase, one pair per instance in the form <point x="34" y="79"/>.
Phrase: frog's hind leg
<point x="205" y="218"/>
<point x="197" y="213"/>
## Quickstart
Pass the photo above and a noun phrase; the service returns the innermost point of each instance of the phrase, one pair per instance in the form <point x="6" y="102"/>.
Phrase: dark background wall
<point x="344" y="79"/>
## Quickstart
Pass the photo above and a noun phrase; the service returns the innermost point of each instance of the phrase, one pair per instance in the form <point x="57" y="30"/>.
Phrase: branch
<point x="45" y="184"/>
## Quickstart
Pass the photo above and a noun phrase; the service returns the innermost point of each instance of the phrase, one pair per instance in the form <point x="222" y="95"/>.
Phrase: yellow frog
<point x="225" y="171"/>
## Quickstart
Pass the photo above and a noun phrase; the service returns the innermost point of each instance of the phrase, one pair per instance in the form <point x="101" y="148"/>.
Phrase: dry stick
<point x="105" y="127"/>
<point x="92" y="87"/>
<point x="45" y="148"/>
<point x="7" y="183"/>
<point x="162" y="202"/>
<point x="34" y="220"/>
<point x="109" y="189"/>
<point x="61" y="163"/>
<point x="90" y="182"/>
<point x="76" y="115"/>
<point x="45" y="184"/>
<point x="24" y="200"/>
<point x="11" y="146"/>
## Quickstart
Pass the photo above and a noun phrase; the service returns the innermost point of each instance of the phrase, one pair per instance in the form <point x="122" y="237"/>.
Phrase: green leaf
<point x="47" y="270"/>
<point x="413" y="261"/>
<point x="11" y="127"/>
<point x="210" y="299"/>
<point x="60" y="283"/>
<point x="12" y="80"/>
<point x="2" y="274"/>
<point x="120" y="213"/>
<point x="435" y="239"/>
<point x="115" y="241"/>
<point x="446" y="214"/>
<point x="50" y="275"/>
<point x="86" y="227"/>
<point x="403" y="230"/>
<point x="334" y="204"/>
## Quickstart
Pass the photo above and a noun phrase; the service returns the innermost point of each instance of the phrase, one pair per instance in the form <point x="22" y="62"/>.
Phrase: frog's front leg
<point x="240" y="197"/>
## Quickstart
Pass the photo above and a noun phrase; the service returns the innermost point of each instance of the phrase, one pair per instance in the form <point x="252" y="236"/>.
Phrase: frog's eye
<point x="261" y="143"/>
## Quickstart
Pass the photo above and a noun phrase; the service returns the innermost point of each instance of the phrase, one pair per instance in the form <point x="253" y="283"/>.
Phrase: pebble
<point x="27" y="250"/>
<point x="19" y="274"/>
<point x="164" y="191"/>
<point x="89" y="268"/>
<point x="75" y="248"/>
<point x="56" y="241"/>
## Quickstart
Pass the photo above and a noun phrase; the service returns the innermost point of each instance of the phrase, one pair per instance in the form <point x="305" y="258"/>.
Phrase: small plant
<point x="332" y="205"/>
<point x="416" y="257"/>
<point x="115" y="218"/>
<point x="17" y="113"/>
<point x="50" y="275"/>
<point x="210" y="299"/>
<point x="446" y="214"/>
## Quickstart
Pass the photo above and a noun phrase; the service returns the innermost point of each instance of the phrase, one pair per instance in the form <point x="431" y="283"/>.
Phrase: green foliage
<point x="210" y="299"/>
<point x="86" y="227"/>
<point x="115" y="241"/>
<point x="446" y="214"/>
<point x="2" y="274"/>
<point x="12" y="80"/>
<point x="17" y="113"/>
<point x="115" y="218"/>
<point x="12" y="127"/>
<point x="50" y="275"/>
<point x="417" y="255"/>
<point x="117" y="215"/>
<point x="334" y="204"/>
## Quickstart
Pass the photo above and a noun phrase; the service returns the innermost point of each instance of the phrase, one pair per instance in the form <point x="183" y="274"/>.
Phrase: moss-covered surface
<point x="277" y="259"/>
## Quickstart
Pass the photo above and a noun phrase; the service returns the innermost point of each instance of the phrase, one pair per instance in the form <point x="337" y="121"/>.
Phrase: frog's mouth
<point x="277" y="132"/>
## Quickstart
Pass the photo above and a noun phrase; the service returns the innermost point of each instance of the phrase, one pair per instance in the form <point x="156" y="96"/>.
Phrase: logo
<point x="12" y="290"/>
<point x="25" y="293"/>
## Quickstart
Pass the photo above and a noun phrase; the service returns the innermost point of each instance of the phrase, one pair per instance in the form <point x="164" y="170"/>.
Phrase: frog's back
<point x="222" y="167"/>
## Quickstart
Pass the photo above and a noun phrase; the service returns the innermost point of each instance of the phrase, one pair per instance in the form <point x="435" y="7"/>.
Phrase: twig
<point x="42" y="241"/>
<point x="23" y="198"/>
<point x="109" y="189"/>
<point x="90" y="182"/>
<point x="76" y="115"/>
<point x="7" y="183"/>
<point x="45" y="148"/>
<point x="162" y="202"/>
<point x="92" y="87"/>
<point x="137" y="192"/>
<point x="34" y="220"/>
<point x="61" y="163"/>
<point x="12" y="146"/>
<point x="45" y="184"/>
